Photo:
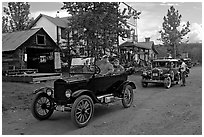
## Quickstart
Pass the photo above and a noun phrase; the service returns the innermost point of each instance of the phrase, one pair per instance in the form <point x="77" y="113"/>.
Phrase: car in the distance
<point x="165" y="71"/>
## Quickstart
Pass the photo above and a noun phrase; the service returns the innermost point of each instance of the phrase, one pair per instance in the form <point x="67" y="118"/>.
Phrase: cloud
<point x="169" y="4"/>
<point x="62" y="13"/>
<point x="195" y="35"/>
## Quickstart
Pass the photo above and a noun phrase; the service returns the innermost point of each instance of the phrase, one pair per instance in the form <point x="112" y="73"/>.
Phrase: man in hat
<point x="183" y="72"/>
<point x="105" y="66"/>
<point x="118" y="69"/>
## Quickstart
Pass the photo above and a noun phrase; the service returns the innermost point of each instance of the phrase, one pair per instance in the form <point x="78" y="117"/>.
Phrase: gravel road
<point x="155" y="111"/>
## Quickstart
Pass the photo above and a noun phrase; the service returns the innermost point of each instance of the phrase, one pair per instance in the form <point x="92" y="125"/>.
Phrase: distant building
<point x="30" y="49"/>
<point x="138" y="51"/>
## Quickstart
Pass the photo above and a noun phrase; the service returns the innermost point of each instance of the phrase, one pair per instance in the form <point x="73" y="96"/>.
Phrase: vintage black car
<point x="78" y="94"/>
<point x="165" y="71"/>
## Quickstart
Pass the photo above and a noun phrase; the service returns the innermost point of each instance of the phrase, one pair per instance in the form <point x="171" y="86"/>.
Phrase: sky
<point x="151" y="18"/>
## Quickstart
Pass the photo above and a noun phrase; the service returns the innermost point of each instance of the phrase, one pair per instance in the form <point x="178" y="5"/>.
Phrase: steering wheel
<point x="95" y="68"/>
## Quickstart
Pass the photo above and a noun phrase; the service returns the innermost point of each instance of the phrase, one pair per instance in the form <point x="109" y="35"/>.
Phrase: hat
<point x="104" y="56"/>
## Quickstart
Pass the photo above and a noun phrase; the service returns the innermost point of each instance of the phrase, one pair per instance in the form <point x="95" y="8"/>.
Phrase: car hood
<point x="164" y="70"/>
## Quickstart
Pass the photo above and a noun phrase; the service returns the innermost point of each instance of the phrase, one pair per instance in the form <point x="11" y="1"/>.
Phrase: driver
<point x="105" y="66"/>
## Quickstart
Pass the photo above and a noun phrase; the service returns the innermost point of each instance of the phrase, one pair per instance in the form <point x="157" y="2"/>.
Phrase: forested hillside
<point x="194" y="50"/>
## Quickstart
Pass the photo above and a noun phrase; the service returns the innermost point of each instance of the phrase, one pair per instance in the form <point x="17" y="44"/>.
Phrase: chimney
<point x="147" y="39"/>
<point x="57" y="15"/>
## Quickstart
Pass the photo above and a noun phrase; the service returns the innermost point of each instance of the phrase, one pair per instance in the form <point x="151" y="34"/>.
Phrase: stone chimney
<point x="147" y="39"/>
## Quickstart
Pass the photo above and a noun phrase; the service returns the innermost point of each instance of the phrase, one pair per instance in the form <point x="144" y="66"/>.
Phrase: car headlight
<point x="49" y="92"/>
<point x="68" y="93"/>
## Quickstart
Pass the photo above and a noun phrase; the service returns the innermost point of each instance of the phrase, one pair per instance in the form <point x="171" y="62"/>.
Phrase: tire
<point x="81" y="112"/>
<point x="127" y="96"/>
<point x="167" y="82"/>
<point x="144" y="84"/>
<point x="42" y="107"/>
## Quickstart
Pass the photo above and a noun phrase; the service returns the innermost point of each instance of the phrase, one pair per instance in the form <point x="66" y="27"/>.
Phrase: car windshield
<point x="82" y="65"/>
<point x="157" y="64"/>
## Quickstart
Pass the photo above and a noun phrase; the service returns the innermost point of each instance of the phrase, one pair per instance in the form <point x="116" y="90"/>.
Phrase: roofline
<point x="22" y="30"/>
<point x="36" y="20"/>
<point x="30" y="37"/>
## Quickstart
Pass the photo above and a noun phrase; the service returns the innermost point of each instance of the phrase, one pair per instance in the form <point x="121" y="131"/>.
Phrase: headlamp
<point x="49" y="92"/>
<point x="68" y="93"/>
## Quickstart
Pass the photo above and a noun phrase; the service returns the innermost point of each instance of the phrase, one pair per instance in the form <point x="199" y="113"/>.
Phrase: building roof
<point x="146" y="45"/>
<point x="12" y="40"/>
<point x="127" y="44"/>
<point x="61" y="22"/>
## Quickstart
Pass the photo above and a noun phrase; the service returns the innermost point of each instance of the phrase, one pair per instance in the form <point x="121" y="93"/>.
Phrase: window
<point x="63" y="33"/>
<point x="41" y="39"/>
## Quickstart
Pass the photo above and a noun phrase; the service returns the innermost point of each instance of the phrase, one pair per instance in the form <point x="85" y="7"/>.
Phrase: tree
<point x="17" y="17"/>
<point x="173" y="32"/>
<point x="5" y="26"/>
<point x="97" y="23"/>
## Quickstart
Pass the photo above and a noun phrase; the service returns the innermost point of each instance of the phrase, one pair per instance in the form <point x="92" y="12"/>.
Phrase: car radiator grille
<point x="155" y="75"/>
<point x="59" y="90"/>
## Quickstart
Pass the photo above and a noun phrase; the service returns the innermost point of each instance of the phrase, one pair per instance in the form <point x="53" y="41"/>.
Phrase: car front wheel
<point x="167" y="82"/>
<point x="127" y="96"/>
<point x="42" y="106"/>
<point x="82" y="111"/>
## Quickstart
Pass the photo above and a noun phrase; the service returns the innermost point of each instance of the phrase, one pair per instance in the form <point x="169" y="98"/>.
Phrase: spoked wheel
<point x="82" y="111"/>
<point x="167" y="82"/>
<point x="42" y="107"/>
<point x="127" y="96"/>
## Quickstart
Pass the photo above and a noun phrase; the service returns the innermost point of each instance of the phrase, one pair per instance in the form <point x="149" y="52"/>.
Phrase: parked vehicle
<point x="165" y="71"/>
<point x="78" y="94"/>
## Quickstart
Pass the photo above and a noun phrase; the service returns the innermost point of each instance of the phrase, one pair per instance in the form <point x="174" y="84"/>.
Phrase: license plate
<point x="155" y="74"/>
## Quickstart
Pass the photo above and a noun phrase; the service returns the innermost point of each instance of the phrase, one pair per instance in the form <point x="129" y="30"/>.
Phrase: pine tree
<point x="171" y="35"/>
<point x="17" y="17"/>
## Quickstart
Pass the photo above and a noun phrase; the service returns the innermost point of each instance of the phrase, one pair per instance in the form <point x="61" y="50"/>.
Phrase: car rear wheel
<point x="42" y="107"/>
<point x="82" y="111"/>
<point x="167" y="82"/>
<point x="127" y="96"/>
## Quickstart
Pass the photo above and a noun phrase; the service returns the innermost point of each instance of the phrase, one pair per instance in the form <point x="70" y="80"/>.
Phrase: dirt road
<point x="155" y="110"/>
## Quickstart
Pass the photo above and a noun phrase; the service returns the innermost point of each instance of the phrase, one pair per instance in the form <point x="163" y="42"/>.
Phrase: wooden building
<point x="30" y="49"/>
<point x="131" y="51"/>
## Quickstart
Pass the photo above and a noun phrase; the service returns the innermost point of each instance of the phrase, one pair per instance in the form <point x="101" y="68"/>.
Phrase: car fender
<point x="127" y="83"/>
<point x="43" y="90"/>
<point x="90" y="93"/>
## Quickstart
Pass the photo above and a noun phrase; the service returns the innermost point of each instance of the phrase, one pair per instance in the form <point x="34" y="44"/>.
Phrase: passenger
<point x="118" y="69"/>
<point x="105" y="66"/>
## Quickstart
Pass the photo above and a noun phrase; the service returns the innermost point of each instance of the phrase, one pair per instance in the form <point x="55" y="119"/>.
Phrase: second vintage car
<point x="78" y="94"/>
<point x="165" y="71"/>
